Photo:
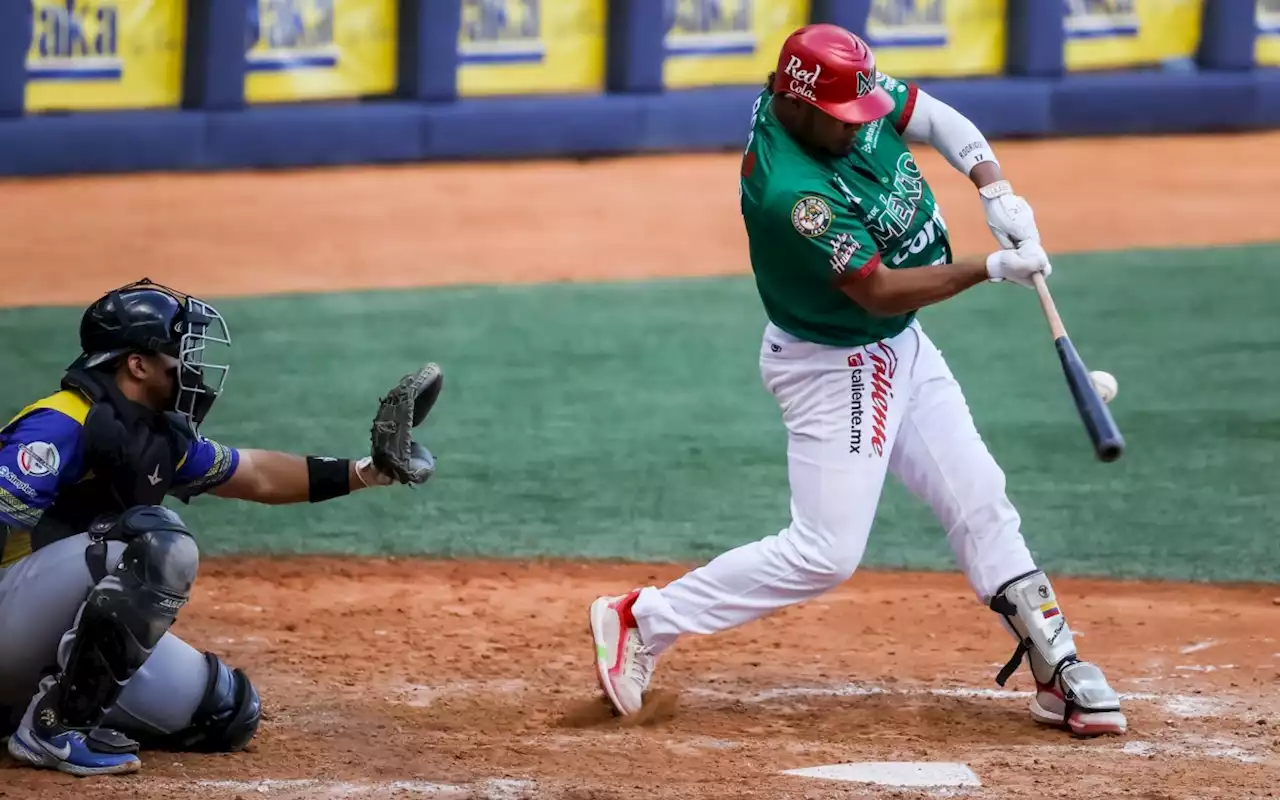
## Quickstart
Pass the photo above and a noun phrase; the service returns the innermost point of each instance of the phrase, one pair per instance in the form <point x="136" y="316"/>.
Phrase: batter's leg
<point x="842" y="408"/>
<point x="941" y="459"/>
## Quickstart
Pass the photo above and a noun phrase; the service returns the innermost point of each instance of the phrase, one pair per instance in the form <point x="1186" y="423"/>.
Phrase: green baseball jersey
<point x="815" y="222"/>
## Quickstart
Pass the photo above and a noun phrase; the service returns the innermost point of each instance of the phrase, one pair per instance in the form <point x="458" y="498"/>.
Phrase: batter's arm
<point x="954" y="136"/>
<point x="959" y="141"/>
<point x="275" y="478"/>
<point x="887" y="292"/>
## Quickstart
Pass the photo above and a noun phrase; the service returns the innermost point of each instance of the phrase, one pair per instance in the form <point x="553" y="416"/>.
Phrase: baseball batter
<point x="847" y="241"/>
<point x="94" y="569"/>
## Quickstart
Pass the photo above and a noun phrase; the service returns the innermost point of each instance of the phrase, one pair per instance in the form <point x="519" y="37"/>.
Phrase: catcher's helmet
<point x="833" y="70"/>
<point x="145" y="317"/>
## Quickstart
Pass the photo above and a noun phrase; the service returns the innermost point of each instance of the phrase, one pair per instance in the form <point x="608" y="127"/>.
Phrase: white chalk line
<point x="1198" y="646"/>
<point x="495" y="789"/>
<point x="1179" y="704"/>
<point x="1194" y="746"/>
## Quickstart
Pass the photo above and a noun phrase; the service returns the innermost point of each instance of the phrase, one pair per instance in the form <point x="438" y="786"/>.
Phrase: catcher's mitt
<point x="394" y="451"/>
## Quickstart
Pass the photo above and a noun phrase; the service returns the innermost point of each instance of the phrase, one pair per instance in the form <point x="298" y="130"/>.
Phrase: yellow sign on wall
<point x="512" y="47"/>
<point x="320" y="49"/>
<point x="105" y="54"/>
<point x="936" y="38"/>
<point x="1109" y="34"/>
<point x="726" y="42"/>
<point x="1267" y="45"/>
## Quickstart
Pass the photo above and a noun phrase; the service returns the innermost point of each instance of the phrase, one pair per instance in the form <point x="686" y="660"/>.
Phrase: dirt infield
<point x="420" y="679"/>
<point x="408" y="679"/>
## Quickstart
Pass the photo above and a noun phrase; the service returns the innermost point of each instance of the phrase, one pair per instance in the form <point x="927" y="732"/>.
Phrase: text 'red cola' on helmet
<point x="145" y="317"/>
<point x="834" y="70"/>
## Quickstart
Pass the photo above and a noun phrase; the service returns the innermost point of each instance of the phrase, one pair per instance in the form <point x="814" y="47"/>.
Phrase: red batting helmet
<point x="834" y="70"/>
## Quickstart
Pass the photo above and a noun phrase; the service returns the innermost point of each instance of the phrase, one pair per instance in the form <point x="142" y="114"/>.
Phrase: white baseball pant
<point x="851" y="414"/>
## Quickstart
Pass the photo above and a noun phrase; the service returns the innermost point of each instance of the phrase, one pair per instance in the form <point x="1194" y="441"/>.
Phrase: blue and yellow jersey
<point x="41" y="453"/>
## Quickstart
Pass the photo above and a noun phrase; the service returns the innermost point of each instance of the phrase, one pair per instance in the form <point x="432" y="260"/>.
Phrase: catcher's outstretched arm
<point x="274" y="478"/>
<point x="268" y="476"/>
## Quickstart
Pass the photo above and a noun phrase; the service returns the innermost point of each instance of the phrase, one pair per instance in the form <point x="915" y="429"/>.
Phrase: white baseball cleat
<point x="623" y="664"/>
<point x="1094" y="709"/>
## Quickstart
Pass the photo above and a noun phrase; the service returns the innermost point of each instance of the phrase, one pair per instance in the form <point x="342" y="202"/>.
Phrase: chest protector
<point x="131" y="455"/>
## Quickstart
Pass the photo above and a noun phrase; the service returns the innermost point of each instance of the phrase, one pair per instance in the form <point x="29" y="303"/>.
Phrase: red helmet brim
<point x="864" y="109"/>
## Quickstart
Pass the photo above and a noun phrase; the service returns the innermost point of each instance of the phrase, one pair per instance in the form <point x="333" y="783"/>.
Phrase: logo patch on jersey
<point x="842" y="249"/>
<point x="16" y="482"/>
<point x="811" y="216"/>
<point x="871" y="136"/>
<point x="38" y="459"/>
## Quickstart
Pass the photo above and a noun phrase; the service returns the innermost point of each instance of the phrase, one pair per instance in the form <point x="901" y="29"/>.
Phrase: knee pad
<point x="1030" y="610"/>
<point x="226" y="719"/>
<point x="128" y="611"/>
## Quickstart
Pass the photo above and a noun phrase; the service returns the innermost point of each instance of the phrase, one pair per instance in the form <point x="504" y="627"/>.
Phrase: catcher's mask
<point x="145" y="317"/>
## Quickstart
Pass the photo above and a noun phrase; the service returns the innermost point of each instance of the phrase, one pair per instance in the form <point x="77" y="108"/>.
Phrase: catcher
<point x="95" y="569"/>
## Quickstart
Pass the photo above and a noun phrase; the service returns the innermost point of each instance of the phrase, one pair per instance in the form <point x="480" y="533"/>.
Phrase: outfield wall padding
<point x="425" y="120"/>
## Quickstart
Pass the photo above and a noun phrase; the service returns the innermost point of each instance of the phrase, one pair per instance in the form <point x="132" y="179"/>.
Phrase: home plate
<point x="894" y="773"/>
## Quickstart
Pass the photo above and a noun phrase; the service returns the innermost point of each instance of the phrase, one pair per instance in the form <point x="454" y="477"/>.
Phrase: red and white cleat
<point x="623" y="664"/>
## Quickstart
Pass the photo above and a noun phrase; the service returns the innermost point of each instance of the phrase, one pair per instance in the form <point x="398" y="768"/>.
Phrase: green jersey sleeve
<point x="824" y="237"/>
<point x="904" y="100"/>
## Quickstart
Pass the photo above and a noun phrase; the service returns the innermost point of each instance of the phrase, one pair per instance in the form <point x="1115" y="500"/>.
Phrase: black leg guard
<point x="226" y="719"/>
<point x="125" y="615"/>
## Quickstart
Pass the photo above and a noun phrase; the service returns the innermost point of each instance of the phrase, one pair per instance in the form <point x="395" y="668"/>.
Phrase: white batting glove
<point x="1008" y="216"/>
<point x="1019" y="265"/>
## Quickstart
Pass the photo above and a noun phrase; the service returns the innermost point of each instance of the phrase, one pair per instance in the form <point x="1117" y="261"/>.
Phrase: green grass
<point x="628" y="420"/>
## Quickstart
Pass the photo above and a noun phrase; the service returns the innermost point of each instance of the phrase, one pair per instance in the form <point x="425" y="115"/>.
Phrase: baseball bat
<point x="1108" y="444"/>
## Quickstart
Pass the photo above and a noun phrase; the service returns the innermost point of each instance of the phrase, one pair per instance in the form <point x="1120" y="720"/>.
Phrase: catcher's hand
<point x="394" y="452"/>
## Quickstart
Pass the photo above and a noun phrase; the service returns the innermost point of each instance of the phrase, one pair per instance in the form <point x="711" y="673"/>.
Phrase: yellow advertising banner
<point x="1267" y="44"/>
<point x="1111" y="34"/>
<point x="514" y="47"/>
<point x="319" y="49"/>
<point x="726" y="42"/>
<point x="938" y="38"/>
<point x="105" y="54"/>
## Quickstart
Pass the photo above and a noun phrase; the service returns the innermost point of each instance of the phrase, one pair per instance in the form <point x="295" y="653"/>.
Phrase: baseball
<point x="1105" y="383"/>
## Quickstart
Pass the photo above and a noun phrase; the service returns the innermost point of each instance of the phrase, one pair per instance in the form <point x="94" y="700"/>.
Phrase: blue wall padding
<point x="428" y="50"/>
<point x="1228" y="30"/>
<point x="214" y="66"/>
<point x="999" y="106"/>
<point x="1036" y="39"/>
<point x="1153" y="102"/>
<point x="635" y="33"/>
<point x="848" y="14"/>
<point x="707" y="119"/>
<point x="124" y="141"/>
<point x="1267" y="102"/>
<point x="15" y="40"/>
<point x="298" y="135"/>
<point x="492" y="128"/>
